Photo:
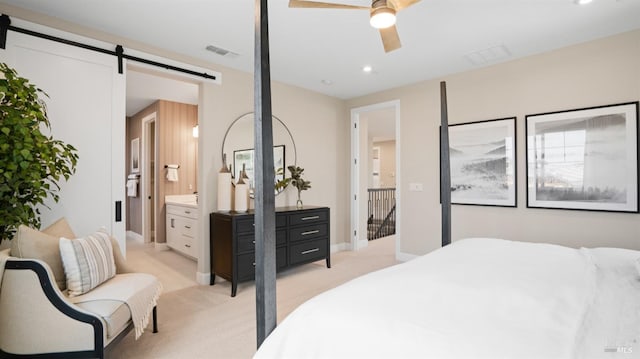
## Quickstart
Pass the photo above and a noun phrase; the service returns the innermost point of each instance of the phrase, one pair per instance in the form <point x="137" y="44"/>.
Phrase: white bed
<point x="476" y="298"/>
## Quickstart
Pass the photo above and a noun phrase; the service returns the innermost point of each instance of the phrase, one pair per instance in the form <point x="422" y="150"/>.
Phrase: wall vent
<point x="488" y="55"/>
<point x="222" y="52"/>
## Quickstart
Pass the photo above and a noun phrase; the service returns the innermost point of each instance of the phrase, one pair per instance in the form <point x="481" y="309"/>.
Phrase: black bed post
<point x="445" y="168"/>
<point x="265" y="216"/>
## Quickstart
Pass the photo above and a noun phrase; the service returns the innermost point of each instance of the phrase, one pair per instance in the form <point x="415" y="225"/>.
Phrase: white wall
<point x="601" y="72"/>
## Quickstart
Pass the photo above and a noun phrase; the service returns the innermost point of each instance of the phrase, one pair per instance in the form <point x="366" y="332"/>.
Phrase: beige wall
<point x="319" y="125"/>
<point x="601" y="72"/>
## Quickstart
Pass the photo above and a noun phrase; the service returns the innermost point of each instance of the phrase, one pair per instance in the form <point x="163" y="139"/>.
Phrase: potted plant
<point x="31" y="163"/>
<point x="297" y="181"/>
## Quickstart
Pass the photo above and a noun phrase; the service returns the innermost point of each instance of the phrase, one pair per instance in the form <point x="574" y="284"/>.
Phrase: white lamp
<point x="195" y="131"/>
<point x="382" y="17"/>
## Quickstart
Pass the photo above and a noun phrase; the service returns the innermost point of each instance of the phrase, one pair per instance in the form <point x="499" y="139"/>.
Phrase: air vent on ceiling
<point x="222" y="52"/>
<point x="489" y="55"/>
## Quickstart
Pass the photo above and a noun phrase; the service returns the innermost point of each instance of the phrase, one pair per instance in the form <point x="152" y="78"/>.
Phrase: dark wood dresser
<point x="302" y="236"/>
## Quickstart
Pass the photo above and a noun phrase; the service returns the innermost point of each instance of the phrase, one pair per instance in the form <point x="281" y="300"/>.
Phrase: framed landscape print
<point x="584" y="159"/>
<point x="483" y="162"/>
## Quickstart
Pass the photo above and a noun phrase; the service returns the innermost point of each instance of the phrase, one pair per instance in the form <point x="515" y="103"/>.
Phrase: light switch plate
<point x="415" y="187"/>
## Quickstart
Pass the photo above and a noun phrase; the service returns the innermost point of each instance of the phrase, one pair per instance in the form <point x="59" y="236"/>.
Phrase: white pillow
<point x="638" y="265"/>
<point x="87" y="262"/>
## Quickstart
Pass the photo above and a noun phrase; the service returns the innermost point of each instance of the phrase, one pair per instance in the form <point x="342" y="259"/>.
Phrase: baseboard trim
<point x="203" y="278"/>
<point x="134" y="236"/>
<point x="161" y="247"/>
<point x="340" y="247"/>
<point x="405" y="257"/>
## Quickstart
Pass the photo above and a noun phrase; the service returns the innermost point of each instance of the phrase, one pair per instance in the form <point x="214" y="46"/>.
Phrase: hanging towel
<point x="132" y="188"/>
<point x="172" y="173"/>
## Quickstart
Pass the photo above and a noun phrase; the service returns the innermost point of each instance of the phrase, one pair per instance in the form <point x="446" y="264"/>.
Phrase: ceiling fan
<point x="382" y="16"/>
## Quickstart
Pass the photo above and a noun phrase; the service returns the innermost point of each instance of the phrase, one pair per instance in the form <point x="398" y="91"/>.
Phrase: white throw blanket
<point x="140" y="291"/>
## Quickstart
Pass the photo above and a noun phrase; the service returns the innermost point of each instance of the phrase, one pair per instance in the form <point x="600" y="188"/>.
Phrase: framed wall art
<point x="135" y="155"/>
<point x="245" y="157"/>
<point x="483" y="162"/>
<point x="584" y="159"/>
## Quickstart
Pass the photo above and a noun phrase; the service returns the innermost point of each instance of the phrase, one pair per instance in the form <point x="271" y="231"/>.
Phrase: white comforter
<point x="477" y="298"/>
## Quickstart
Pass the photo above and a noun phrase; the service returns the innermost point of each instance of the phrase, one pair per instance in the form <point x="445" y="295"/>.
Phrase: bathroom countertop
<point x="185" y="200"/>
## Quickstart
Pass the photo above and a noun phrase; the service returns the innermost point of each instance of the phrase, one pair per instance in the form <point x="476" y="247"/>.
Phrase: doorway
<point x="374" y="129"/>
<point x="161" y="113"/>
<point x="149" y="188"/>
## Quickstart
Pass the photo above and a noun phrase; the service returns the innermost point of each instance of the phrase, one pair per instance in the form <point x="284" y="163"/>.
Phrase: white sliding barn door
<point x="86" y="107"/>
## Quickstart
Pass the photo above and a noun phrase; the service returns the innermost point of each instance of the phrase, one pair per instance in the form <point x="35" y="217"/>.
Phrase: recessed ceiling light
<point x="327" y="82"/>
<point x="582" y="2"/>
<point x="367" y="69"/>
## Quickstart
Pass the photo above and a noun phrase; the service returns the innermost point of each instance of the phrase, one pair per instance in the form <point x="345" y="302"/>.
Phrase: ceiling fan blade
<point x="390" y="38"/>
<point x="322" y="5"/>
<point x="401" y="4"/>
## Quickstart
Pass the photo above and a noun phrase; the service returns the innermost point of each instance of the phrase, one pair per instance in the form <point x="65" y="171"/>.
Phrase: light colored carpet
<point x="205" y="322"/>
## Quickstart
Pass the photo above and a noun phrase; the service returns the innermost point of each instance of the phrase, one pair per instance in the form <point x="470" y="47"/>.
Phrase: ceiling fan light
<point x="382" y="17"/>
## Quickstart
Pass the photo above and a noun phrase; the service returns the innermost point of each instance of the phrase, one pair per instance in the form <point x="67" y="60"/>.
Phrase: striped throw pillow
<point x="87" y="262"/>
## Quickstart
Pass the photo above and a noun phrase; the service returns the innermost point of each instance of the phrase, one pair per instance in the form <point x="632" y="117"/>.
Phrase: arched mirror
<point x="238" y="148"/>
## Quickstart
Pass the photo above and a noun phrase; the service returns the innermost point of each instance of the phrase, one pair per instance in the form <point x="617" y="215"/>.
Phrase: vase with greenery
<point x="31" y="162"/>
<point x="298" y="182"/>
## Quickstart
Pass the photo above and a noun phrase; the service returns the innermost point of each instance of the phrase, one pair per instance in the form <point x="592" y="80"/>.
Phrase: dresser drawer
<point x="189" y="246"/>
<point x="308" y="232"/>
<point x="308" y="251"/>
<point x="308" y="217"/>
<point x="247" y="242"/>
<point x="247" y="263"/>
<point x="248" y="225"/>
<point x="187" y="227"/>
<point x="182" y="211"/>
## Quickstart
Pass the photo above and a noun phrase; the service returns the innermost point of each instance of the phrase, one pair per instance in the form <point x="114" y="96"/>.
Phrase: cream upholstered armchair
<point x="47" y="312"/>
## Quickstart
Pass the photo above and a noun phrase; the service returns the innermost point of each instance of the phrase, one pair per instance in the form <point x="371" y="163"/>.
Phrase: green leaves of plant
<point x="31" y="163"/>
<point x="296" y="178"/>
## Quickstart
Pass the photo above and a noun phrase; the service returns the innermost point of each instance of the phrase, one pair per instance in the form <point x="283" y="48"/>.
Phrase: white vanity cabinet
<point x="182" y="229"/>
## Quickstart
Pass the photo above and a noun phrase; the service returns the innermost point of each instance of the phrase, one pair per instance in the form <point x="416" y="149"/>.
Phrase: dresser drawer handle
<point x="187" y="245"/>
<point x="310" y="232"/>
<point x="310" y="218"/>
<point x="187" y="227"/>
<point x="310" y="251"/>
<point x="254" y="264"/>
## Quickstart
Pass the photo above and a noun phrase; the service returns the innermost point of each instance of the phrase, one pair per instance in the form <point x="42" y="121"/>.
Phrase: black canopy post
<point x="265" y="212"/>
<point x="445" y="168"/>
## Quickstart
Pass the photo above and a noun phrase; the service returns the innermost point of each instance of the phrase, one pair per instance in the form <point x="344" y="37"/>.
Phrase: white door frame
<point x="359" y="240"/>
<point x="148" y="189"/>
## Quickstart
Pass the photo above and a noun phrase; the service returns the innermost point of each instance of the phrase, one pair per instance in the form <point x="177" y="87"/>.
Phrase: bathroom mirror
<point x="238" y="146"/>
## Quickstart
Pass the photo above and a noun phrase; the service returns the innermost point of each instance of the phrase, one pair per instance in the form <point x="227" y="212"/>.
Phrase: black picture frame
<point x="583" y="159"/>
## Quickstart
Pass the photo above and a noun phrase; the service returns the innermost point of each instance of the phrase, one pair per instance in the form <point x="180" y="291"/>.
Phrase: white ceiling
<point x="312" y="45"/>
